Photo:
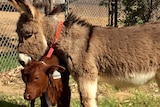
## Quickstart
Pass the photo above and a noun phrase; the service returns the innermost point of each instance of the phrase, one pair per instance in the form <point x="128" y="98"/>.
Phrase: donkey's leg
<point x="157" y="78"/>
<point x="88" y="90"/>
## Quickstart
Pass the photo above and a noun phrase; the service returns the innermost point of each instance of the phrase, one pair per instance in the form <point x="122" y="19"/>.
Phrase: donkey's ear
<point x="57" y="9"/>
<point x="16" y="5"/>
<point x="25" y="7"/>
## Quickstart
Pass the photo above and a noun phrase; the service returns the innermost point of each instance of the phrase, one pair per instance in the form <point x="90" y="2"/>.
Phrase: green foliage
<point x="103" y="3"/>
<point x="137" y="11"/>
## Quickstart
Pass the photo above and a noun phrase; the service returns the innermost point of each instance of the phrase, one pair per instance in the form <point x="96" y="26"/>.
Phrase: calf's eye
<point x="36" y="78"/>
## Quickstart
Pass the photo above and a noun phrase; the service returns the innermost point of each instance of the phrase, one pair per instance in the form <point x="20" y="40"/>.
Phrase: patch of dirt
<point x="123" y="95"/>
<point x="11" y="82"/>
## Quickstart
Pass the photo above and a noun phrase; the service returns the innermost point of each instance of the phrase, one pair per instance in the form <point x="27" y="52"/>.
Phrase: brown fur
<point x="38" y="78"/>
<point x="128" y="56"/>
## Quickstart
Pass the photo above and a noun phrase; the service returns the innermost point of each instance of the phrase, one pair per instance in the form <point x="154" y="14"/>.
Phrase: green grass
<point x="108" y="96"/>
<point x="141" y="100"/>
<point x="12" y="101"/>
<point x="8" y="61"/>
<point x="8" y="104"/>
<point x="15" y="101"/>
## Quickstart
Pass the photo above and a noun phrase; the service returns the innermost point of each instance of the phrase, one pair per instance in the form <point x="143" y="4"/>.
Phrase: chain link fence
<point x="8" y="36"/>
<point x="90" y="10"/>
<point x="87" y="9"/>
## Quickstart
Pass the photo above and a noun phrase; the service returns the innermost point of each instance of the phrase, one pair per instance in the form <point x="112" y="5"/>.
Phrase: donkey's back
<point x="127" y="56"/>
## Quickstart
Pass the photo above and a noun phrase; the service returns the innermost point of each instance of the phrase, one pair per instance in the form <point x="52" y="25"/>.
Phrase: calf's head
<point x="36" y="78"/>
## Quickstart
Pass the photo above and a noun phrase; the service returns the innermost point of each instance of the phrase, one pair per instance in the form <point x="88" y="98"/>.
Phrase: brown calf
<point x="43" y="79"/>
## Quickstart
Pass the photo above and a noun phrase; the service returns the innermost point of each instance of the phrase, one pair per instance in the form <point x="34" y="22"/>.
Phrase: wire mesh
<point x="90" y="10"/>
<point x="8" y="36"/>
<point x="87" y="9"/>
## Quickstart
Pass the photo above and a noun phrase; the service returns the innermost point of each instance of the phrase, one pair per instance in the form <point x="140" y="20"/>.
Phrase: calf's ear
<point x="56" y="67"/>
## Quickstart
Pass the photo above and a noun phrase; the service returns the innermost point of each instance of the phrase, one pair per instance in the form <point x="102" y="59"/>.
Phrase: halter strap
<point x="60" y="25"/>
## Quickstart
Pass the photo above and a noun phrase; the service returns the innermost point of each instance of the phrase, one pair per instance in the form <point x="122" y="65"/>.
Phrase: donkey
<point x="124" y="57"/>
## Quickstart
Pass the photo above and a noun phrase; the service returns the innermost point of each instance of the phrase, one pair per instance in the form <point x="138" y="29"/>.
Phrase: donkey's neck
<point x="74" y="41"/>
<point x="49" y="29"/>
<point x="74" y="38"/>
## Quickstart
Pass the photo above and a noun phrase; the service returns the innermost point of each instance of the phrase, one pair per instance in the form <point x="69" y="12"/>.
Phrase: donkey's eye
<point x="27" y="36"/>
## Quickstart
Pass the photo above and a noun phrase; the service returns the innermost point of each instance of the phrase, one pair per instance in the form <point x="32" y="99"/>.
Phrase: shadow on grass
<point x="8" y="104"/>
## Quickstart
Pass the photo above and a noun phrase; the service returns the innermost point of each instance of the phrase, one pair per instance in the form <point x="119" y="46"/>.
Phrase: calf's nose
<point x="27" y="96"/>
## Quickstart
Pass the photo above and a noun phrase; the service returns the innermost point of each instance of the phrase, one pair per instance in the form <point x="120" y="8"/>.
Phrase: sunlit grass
<point x="108" y="96"/>
<point x="139" y="100"/>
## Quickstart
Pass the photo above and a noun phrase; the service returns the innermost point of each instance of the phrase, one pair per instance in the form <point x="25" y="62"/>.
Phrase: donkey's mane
<point x="40" y="5"/>
<point x="73" y="19"/>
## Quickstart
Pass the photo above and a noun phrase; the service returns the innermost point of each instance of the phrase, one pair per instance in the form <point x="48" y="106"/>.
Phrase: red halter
<point x="55" y="39"/>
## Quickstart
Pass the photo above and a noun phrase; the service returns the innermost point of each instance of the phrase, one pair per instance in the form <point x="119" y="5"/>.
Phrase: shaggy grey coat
<point x="128" y="56"/>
